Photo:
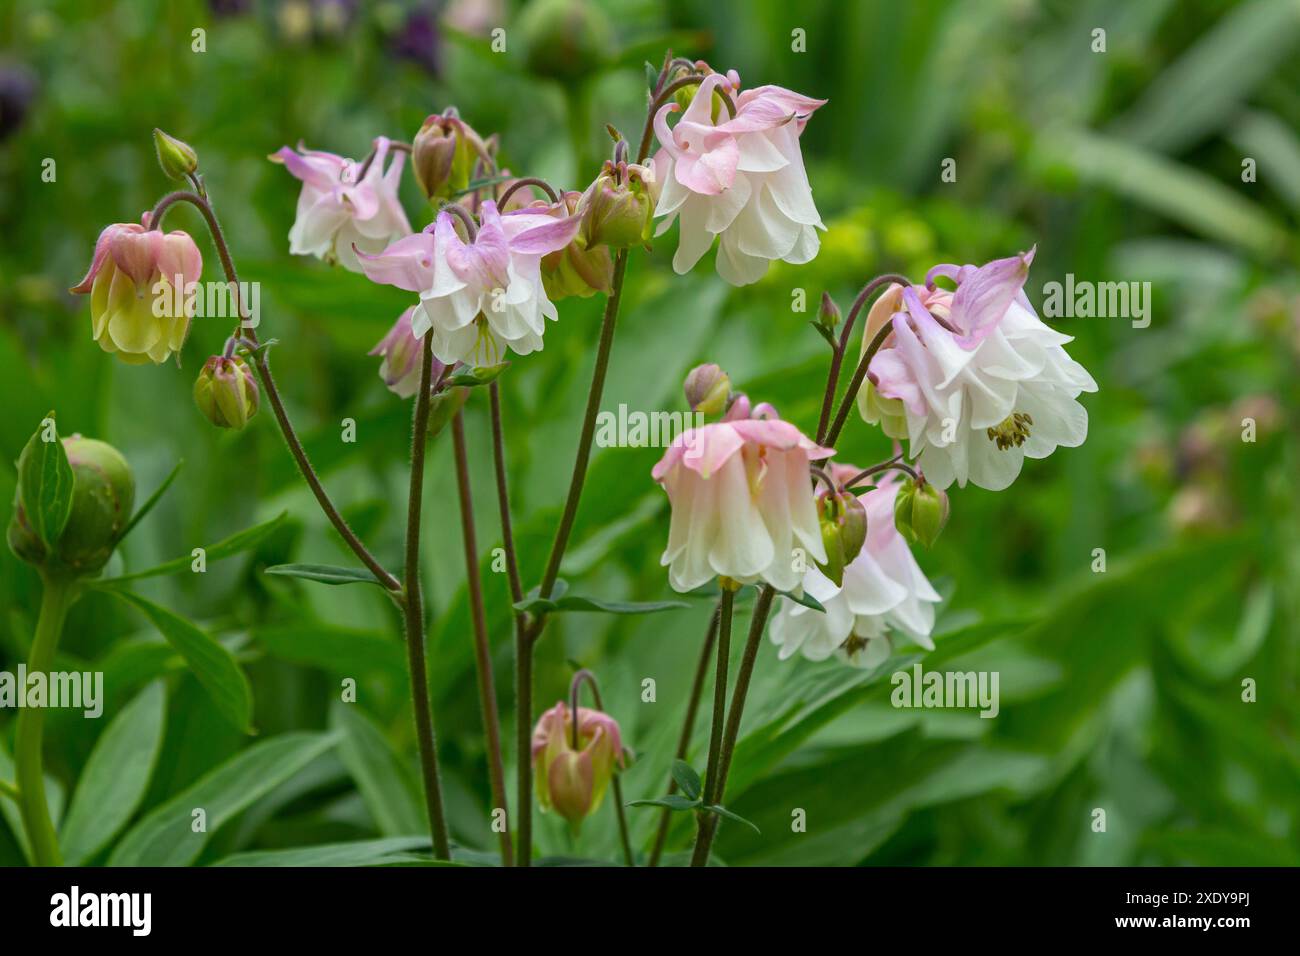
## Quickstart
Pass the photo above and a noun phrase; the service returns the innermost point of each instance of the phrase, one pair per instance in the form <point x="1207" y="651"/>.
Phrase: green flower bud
<point x="103" y="495"/>
<point x="843" y="522"/>
<point x="708" y="389"/>
<point x="575" y="269"/>
<point x="565" y="39"/>
<point x="226" y="392"/>
<point x="920" y="511"/>
<point x="443" y="407"/>
<point x="828" y="315"/>
<point x="618" y="208"/>
<point x="177" y="159"/>
<point x="443" y="155"/>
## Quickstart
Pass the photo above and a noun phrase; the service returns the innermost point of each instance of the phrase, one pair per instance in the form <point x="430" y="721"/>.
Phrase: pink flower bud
<point x="707" y="389"/>
<point x="443" y="154"/>
<point x="401" y="351"/>
<point x="570" y="780"/>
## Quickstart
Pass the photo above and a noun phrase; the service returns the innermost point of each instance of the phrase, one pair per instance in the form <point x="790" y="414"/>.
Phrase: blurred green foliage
<point x="1121" y="690"/>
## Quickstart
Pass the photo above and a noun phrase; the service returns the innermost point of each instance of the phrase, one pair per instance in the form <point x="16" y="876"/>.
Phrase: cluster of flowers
<point x="970" y="377"/>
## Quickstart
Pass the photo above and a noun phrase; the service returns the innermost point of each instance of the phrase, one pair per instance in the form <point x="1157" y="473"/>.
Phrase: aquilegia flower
<point x="573" y="781"/>
<point x="400" y="351"/>
<point x="742" y="500"/>
<point x="141" y="300"/>
<point x="885" y="594"/>
<point x="742" y="179"/>
<point x="337" y="212"/>
<point x="477" y="298"/>
<point x="973" y="379"/>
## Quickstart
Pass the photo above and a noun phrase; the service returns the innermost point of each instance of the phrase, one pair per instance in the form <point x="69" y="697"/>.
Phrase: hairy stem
<point x="57" y="595"/>
<point x="585" y="676"/>
<point x="688" y="727"/>
<point x="268" y="384"/>
<point x="709" y="826"/>
<point x="713" y="774"/>
<point x="482" y="651"/>
<point x="855" y="383"/>
<point x="413" y="613"/>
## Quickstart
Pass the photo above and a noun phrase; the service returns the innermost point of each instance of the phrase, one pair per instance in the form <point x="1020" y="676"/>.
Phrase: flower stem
<point x="57" y="596"/>
<point x="523" y="643"/>
<point x="713" y="775"/>
<point x="603" y="350"/>
<point x="688" y="726"/>
<point x="709" y="826"/>
<point x="855" y="383"/>
<point x="575" y="691"/>
<point x="268" y="383"/>
<point x="413" y="614"/>
<point x="837" y="358"/>
<point x="482" y="651"/>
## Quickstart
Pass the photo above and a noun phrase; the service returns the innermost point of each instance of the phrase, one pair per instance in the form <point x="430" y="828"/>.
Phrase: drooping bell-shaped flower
<point x="400" y="353"/>
<point x="478" y="298"/>
<point x="742" y="501"/>
<point x="572" y="780"/>
<point x="740" y="178"/>
<point x="339" y="209"/>
<point x="973" y="379"/>
<point x="884" y="595"/>
<point x="141" y="301"/>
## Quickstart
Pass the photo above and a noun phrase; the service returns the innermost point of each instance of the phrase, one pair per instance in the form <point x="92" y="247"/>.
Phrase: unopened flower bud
<point x="444" y="406"/>
<point x="707" y="389"/>
<point x="226" y="392"/>
<point x="572" y="781"/>
<point x="920" y="511"/>
<point x="618" y="208"/>
<point x="103" y="495"/>
<point x="177" y="159"/>
<point x="843" y="522"/>
<point x="828" y="316"/>
<point x="565" y="39"/>
<point x="443" y="154"/>
<point x="577" y="269"/>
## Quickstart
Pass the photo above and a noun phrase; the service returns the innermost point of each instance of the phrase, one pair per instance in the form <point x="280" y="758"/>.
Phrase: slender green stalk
<point x="709" y="826"/>
<point x="713" y="774"/>
<point x="688" y="726"/>
<point x="57" y="596"/>
<point x="487" y="693"/>
<point x="523" y="655"/>
<point x="412" y="602"/>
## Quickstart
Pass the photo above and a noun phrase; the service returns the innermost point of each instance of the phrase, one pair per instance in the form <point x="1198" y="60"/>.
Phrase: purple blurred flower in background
<point x="17" y="90"/>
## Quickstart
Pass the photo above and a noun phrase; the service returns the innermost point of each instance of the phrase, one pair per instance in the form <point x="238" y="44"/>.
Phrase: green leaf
<point x="687" y="779"/>
<point x="561" y="600"/>
<point x="212" y="664"/>
<point x="673" y="801"/>
<point x="167" y="837"/>
<point x="244" y="540"/>
<point x="153" y="500"/>
<point x="466" y="377"/>
<point x="116" y="776"/>
<point x="325" y="573"/>
<point x="354" y="853"/>
<point x="728" y="815"/>
<point x="45" y="481"/>
<point x="806" y="599"/>
<point x="382" y="777"/>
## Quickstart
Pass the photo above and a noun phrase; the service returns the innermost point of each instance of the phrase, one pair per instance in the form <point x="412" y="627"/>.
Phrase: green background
<point x="1120" y="690"/>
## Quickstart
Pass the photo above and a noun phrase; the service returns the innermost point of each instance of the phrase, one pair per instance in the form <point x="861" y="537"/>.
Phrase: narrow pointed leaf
<point x="46" y="480"/>
<point x="244" y="540"/>
<point x="324" y="573"/>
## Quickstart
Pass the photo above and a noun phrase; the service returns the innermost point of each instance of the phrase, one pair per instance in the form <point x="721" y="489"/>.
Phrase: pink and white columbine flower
<point x="742" y="500"/>
<point x="973" y="378"/>
<point x="478" y="298"/>
<point x="885" y="594"/>
<point x="400" y="351"/>
<point x="742" y="179"/>
<point x="337" y="212"/>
